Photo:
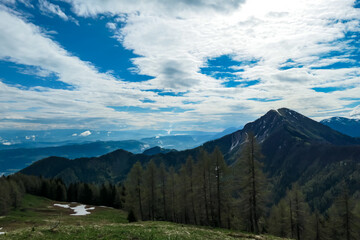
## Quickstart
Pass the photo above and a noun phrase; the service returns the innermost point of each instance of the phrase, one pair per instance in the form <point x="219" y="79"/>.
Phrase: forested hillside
<point x="283" y="173"/>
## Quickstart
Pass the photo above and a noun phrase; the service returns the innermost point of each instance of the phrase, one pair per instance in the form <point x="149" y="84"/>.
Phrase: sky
<point x="177" y="64"/>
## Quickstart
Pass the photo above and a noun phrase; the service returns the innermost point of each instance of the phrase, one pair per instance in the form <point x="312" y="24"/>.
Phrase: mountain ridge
<point x="348" y="126"/>
<point x="295" y="147"/>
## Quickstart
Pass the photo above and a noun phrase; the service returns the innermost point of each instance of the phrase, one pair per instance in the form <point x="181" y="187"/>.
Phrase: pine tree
<point x="319" y="230"/>
<point x="220" y="171"/>
<point x="189" y="168"/>
<point x="134" y="186"/>
<point x="171" y="186"/>
<point x="151" y="188"/>
<point x="201" y="171"/>
<point x="299" y="213"/>
<point x="343" y="222"/>
<point x="252" y="183"/>
<point x="182" y="186"/>
<point x="163" y="185"/>
<point x="279" y="220"/>
<point x="5" y="199"/>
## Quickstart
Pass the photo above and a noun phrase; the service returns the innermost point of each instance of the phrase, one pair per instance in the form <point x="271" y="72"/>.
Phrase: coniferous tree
<point x="343" y="223"/>
<point x="252" y="183"/>
<point x="182" y="186"/>
<point x="201" y="171"/>
<point x="163" y="186"/>
<point x="219" y="173"/>
<point x="319" y="230"/>
<point x="171" y="186"/>
<point x="299" y="213"/>
<point x="189" y="167"/>
<point x="61" y="194"/>
<point x="279" y="220"/>
<point x="151" y="188"/>
<point x="5" y="200"/>
<point x="134" y="185"/>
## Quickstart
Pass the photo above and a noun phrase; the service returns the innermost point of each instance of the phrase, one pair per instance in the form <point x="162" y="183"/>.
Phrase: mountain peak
<point x="288" y="125"/>
<point x="344" y="125"/>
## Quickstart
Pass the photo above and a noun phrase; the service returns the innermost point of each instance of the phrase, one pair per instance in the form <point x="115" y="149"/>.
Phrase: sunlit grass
<point x="37" y="218"/>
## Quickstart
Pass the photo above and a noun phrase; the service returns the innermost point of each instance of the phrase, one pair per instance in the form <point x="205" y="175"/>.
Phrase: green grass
<point x="37" y="218"/>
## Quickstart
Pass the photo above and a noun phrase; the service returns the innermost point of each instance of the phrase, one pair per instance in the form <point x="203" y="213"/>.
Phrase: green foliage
<point x="252" y="184"/>
<point x="131" y="216"/>
<point x="343" y="219"/>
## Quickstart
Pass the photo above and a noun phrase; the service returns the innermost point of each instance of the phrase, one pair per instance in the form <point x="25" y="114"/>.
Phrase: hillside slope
<point x="38" y="218"/>
<point x="296" y="148"/>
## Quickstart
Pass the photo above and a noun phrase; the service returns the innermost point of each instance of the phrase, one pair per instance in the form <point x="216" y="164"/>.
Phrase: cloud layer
<point x="299" y="54"/>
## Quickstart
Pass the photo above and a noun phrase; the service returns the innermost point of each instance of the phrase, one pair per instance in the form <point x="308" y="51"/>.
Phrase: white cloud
<point x="85" y="134"/>
<point x="174" y="44"/>
<point x="356" y="112"/>
<point x="111" y="25"/>
<point x="175" y="39"/>
<point x="170" y="7"/>
<point x="50" y="8"/>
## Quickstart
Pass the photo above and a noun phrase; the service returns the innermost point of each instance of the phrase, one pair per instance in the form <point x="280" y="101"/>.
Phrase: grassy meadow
<point x="38" y="218"/>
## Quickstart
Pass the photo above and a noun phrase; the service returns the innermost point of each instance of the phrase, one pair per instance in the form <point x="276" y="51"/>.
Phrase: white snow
<point x="1" y="233"/>
<point x="62" y="205"/>
<point x="278" y="112"/>
<point x="79" y="210"/>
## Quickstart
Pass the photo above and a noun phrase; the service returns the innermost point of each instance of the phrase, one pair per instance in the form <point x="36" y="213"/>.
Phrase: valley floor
<point x="38" y="218"/>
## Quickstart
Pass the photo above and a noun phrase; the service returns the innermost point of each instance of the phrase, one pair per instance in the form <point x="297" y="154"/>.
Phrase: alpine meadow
<point x="233" y="119"/>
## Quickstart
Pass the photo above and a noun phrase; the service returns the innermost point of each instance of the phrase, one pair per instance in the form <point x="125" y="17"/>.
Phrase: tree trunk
<point x="139" y="198"/>
<point x="218" y="196"/>
<point x="254" y="206"/>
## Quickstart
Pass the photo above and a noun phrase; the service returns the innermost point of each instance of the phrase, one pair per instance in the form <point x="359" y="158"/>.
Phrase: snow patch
<point x="79" y="210"/>
<point x="278" y="112"/>
<point x="62" y="205"/>
<point x="1" y="233"/>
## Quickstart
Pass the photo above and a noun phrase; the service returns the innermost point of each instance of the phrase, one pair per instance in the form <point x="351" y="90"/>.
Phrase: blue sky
<point x="180" y="65"/>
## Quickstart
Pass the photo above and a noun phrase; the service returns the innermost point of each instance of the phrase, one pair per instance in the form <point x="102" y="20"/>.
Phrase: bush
<point x="131" y="216"/>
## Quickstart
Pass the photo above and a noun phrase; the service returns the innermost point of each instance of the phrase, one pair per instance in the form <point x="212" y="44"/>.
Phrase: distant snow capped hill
<point x="348" y="126"/>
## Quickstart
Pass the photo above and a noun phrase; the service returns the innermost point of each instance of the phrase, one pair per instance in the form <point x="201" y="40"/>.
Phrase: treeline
<point x="206" y="191"/>
<point x="14" y="187"/>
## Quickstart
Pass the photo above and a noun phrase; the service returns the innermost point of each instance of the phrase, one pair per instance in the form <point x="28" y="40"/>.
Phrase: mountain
<point x="346" y="126"/>
<point x="13" y="160"/>
<point x="296" y="148"/>
<point x="12" y="139"/>
<point x="178" y="142"/>
<point x="157" y="150"/>
<point x="21" y="153"/>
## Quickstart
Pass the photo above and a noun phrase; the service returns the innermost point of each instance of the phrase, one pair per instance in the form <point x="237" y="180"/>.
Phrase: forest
<point x="204" y="191"/>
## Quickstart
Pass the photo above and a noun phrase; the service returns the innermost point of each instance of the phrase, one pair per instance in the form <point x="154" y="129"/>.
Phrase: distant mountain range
<point x="13" y="160"/>
<point x="11" y="139"/>
<point x="347" y="126"/>
<point x="17" y="156"/>
<point x="296" y="148"/>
